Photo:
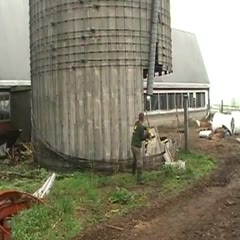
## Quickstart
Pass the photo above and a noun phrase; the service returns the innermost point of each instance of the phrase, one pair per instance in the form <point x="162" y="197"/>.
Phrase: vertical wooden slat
<point x="81" y="135"/>
<point x="106" y="139"/>
<point x="65" y="117"/>
<point x="89" y="114"/>
<point x="97" y="112"/>
<point x="114" y="114"/>
<point x="72" y="112"/>
<point x="131" y="106"/>
<point x="124" y="113"/>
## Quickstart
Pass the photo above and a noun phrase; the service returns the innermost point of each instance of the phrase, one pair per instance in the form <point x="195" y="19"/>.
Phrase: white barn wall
<point x="14" y="42"/>
<point x="170" y="119"/>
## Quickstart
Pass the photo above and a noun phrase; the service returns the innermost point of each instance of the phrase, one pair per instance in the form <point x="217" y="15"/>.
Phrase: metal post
<point x="209" y="101"/>
<point x="221" y="106"/>
<point x="152" y="46"/>
<point x="186" y="127"/>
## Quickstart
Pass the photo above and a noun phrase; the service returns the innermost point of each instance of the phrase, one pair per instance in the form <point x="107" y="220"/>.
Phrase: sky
<point x="216" y="25"/>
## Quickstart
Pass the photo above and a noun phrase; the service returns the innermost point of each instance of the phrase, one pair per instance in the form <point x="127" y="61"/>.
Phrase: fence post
<point x="221" y="108"/>
<point x="186" y="127"/>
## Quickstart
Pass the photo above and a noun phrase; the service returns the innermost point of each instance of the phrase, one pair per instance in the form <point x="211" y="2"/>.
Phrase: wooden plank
<point x="106" y="137"/>
<point x="45" y="108"/>
<point x="81" y="118"/>
<point x="124" y="114"/>
<point x="56" y="110"/>
<point x="72" y="111"/>
<point x="65" y="115"/>
<point x="49" y="105"/>
<point x="130" y="107"/>
<point x="114" y="114"/>
<point x="59" y="134"/>
<point x="97" y="114"/>
<point x="89" y="113"/>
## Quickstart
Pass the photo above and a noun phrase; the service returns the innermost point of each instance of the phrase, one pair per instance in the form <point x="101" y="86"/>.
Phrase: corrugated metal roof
<point x="14" y="41"/>
<point x="188" y="64"/>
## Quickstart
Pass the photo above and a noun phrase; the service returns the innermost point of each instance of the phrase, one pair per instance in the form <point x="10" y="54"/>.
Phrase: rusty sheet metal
<point x="11" y="203"/>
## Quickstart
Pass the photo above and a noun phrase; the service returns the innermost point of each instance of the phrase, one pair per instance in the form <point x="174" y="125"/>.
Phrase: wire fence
<point x="224" y="108"/>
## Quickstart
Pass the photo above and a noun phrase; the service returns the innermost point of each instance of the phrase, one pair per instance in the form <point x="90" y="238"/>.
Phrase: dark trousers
<point x="137" y="166"/>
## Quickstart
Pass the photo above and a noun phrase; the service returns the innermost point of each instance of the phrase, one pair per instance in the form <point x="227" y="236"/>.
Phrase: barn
<point x="189" y="77"/>
<point x="15" y="84"/>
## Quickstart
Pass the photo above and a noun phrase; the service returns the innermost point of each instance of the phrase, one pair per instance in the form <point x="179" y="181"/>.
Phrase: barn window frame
<point x="171" y="100"/>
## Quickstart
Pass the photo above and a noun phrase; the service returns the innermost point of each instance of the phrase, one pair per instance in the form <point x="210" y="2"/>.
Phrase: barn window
<point x="200" y="100"/>
<point x="203" y="99"/>
<point x="191" y="101"/>
<point x="4" y="106"/>
<point x="179" y="100"/>
<point x="163" y="101"/>
<point x="171" y="101"/>
<point x="154" y="102"/>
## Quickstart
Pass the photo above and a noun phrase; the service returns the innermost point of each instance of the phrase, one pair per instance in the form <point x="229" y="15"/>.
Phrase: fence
<point x="224" y="108"/>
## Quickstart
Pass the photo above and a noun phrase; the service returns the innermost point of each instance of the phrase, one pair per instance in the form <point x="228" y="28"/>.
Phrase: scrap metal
<point x="11" y="203"/>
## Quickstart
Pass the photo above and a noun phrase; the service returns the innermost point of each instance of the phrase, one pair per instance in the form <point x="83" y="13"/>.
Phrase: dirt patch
<point x="221" y="223"/>
<point x="208" y="210"/>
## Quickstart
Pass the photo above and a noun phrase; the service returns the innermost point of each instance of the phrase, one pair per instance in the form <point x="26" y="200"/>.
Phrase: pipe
<point x="152" y="50"/>
<point x="223" y="120"/>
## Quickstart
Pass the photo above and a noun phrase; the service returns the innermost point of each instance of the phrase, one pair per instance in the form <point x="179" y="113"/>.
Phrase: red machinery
<point x="11" y="203"/>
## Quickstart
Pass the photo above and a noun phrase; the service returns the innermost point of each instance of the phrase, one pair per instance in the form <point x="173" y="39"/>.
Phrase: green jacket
<point x="138" y="134"/>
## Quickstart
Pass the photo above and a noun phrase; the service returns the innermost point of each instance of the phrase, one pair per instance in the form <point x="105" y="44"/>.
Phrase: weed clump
<point x="121" y="196"/>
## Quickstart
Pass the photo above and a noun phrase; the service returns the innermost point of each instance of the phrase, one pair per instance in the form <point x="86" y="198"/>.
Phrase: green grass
<point x="82" y="199"/>
<point x="121" y="196"/>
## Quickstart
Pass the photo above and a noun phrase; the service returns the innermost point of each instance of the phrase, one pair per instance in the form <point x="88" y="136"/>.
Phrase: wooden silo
<point x="87" y="63"/>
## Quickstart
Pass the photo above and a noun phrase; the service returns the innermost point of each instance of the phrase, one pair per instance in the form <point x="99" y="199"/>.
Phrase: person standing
<point x="140" y="134"/>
